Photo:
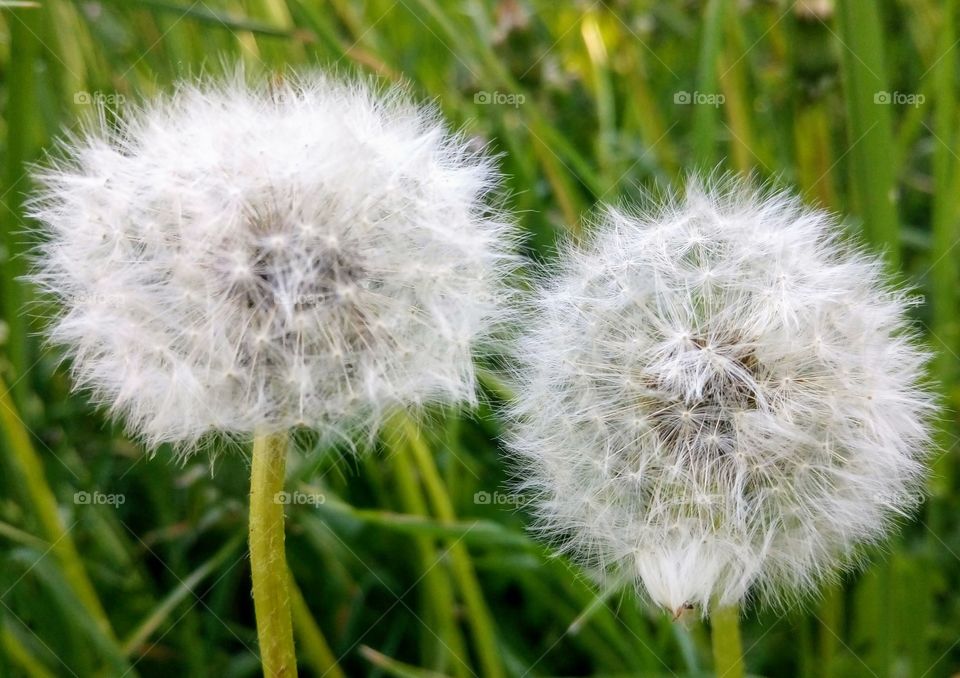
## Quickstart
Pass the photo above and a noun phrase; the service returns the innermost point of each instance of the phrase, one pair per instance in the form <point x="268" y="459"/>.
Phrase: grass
<point x="412" y="566"/>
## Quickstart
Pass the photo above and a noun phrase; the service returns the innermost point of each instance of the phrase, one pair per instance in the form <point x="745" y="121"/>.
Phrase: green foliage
<point x="410" y="568"/>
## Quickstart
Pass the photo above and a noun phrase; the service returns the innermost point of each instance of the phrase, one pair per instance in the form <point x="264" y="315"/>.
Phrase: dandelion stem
<point x="727" y="650"/>
<point x="268" y="561"/>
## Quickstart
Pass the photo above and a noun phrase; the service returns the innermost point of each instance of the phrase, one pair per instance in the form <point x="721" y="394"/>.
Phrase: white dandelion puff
<point x="305" y="253"/>
<point x="720" y="397"/>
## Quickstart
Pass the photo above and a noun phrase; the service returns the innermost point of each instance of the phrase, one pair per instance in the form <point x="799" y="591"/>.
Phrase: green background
<point x="405" y="570"/>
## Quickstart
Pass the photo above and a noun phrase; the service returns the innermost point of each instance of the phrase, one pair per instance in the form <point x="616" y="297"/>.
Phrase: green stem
<point x="268" y="561"/>
<point x="727" y="650"/>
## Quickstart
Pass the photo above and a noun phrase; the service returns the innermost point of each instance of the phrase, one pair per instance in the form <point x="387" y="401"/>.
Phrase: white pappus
<point x="719" y="397"/>
<point x="304" y="252"/>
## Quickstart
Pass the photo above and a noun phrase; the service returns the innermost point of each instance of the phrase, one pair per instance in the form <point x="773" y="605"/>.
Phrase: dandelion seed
<point x="719" y="397"/>
<point x="232" y="259"/>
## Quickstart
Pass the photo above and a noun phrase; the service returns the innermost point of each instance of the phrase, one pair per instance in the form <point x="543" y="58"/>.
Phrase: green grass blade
<point x="183" y="591"/>
<point x="705" y="116"/>
<point x="24" y="133"/>
<point x="870" y="130"/>
<point x="42" y="501"/>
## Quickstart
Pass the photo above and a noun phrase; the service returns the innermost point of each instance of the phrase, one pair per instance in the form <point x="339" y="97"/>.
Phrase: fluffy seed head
<point x="301" y="253"/>
<point x="718" y="396"/>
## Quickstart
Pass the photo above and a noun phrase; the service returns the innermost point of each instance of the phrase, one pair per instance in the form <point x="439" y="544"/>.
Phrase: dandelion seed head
<point x="720" y="397"/>
<point x="239" y="257"/>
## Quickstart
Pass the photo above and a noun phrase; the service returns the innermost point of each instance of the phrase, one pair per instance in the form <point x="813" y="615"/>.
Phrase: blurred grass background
<point x="416" y="564"/>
